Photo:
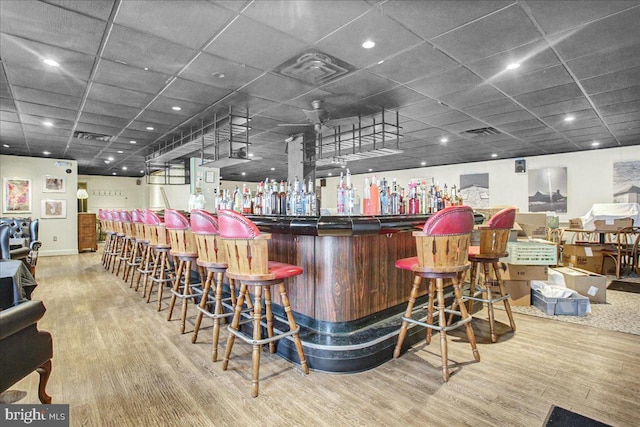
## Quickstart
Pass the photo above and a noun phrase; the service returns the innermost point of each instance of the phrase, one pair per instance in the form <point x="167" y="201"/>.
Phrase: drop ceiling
<point x="124" y="65"/>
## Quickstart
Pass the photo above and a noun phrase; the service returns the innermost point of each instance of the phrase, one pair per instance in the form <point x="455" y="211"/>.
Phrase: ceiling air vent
<point x="314" y="67"/>
<point x="483" y="131"/>
<point x="92" y="136"/>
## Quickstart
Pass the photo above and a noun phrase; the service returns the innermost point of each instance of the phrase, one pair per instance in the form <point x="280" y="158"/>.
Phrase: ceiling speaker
<point x="521" y="166"/>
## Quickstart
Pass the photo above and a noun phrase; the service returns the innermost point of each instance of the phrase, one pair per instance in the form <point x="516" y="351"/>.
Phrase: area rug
<point x="619" y="313"/>
<point x="564" y="418"/>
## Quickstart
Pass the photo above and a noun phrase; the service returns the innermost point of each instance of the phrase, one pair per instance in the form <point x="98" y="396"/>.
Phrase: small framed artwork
<point x="53" y="184"/>
<point x="16" y="195"/>
<point x="54" y="209"/>
<point x="209" y="176"/>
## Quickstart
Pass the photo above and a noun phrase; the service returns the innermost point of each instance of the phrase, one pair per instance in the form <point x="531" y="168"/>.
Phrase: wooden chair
<point x="128" y="241"/>
<point x="138" y="243"/>
<point x="184" y="250"/>
<point x="555" y="235"/>
<point x="212" y="256"/>
<point x="624" y="250"/>
<point x="493" y="246"/>
<point x="248" y="264"/>
<point x="443" y="252"/>
<point x="110" y="243"/>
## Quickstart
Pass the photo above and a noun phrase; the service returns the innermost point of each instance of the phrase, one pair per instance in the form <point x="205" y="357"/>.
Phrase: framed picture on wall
<point x="53" y="184"/>
<point x="54" y="209"/>
<point x="209" y="176"/>
<point x="16" y="195"/>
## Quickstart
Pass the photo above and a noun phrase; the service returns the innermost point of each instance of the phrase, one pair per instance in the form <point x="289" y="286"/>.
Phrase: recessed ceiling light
<point x="124" y="168"/>
<point x="513" y="66"/>
<point x="250" y="154"/>
<point x="494" y="155"/>
<point x="368" y="44"/>
<point x="569" y="119"/>
<point x="146" y="68"/>
<point x="49" y="124"/>
<point x="380" y="62"/>
<point x="273" y="169"/>
<point x="244" y="173"/>
<point x="107" y="161"/>
<point x="113" y="173"/>
<point x="51" y="62"/>
<point x="423" y="163"/>
<point x="46" y="153"/>
<point x="218" y="75"/>
<point x="132" y="142"/>
<point x="149" y="128"/>
<point x="370" y="170"/>
<point x="120" y="151"/>
<point x="595" y="144"/>
<point x="5" y="145"/>
<point x="330" y="174"/>
<point x="444" y="139"/>
<point x="176" y="108"/>
<point x="141" y="171"/>
<point x="110" y="159"/>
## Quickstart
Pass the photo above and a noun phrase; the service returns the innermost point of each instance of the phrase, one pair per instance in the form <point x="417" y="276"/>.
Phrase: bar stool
<point x="183" y="248"/>
<point x="128" y="240"/>
<point x="248" y="259"/>
<point x="443" y="249"/>
<point x="212" y="256"/>
<point x="118" y="227"/>
<point x="159" y="248"/>
<point x="110" y="239"/>
<point x="138" y="243"/>
<point x="493" y="246"/>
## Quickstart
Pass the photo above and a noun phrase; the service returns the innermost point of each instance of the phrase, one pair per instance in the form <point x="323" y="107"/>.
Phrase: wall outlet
<point x="55" y="238"/>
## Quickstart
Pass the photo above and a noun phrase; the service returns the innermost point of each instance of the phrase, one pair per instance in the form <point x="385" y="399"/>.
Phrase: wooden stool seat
<point x="247" y="256"/>
<point x="442" y="248"/>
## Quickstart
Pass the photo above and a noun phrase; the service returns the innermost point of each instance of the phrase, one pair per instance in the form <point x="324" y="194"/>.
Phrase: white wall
<point x="63" y="230"/>
<point x="589" y="178"/>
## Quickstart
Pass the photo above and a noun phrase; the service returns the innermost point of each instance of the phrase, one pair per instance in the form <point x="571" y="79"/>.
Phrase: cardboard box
<point x="520" y="292"/>
<point x="524" y="272"/>
<point x="615" y="225"/>
<point x="575" y="223"/>
<point x="585" y="256"/>
<point x="586" y="283"/>
<point x="533" y="224"/>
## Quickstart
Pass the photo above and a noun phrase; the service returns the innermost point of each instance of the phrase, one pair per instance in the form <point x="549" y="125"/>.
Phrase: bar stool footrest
<point x="250" y="340"/>
<point x="445" y="328"/>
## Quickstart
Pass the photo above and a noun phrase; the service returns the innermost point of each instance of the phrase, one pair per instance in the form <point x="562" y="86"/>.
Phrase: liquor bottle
<point x="275" y="199"/>
<point x="384" y="198"/>
<point x="342" y="195"/>
<point x="257" y="200"/>
<point x="282" y="199"/>
<point x="446" y="202"/>
<point x="394" y="199"/>
<point x="374" y="201"/>
<point x="366" y="197"/>
<point x="403" y="209"/>
<point x="454" y="196"/>
<point x="247" y="201"/>
<point x="311" y="203"/>
<point x="298" y="199"/>
<point x="439" y="205"/>
<point x="237" y="200"/>
<point x="414" y="201"/>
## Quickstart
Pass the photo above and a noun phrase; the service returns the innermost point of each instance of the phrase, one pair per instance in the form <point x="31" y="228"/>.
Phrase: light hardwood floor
<point x="118" y="362"/>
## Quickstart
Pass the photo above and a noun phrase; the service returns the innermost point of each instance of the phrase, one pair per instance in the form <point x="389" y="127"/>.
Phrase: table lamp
<point x="83" y="196"/>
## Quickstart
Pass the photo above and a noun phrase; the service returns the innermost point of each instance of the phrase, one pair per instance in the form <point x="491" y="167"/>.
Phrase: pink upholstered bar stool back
<point x="248" y="263"/>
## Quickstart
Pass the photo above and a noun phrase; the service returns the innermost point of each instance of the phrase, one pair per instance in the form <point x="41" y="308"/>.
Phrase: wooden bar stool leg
<point x="176" y="288"/>
<point x="257" y="336"/>
<point x="235" y="324"/>
<point x="143" y="268"/>
<point x="457" y="291"/>
<point x="185" y="292"/>
<point x="430" y="307"/>
<point x="473" y="279"/>
<point x="269" y="312"/>
<point x="217" y="320"/>
<point x="292" y="325"/>
<point x="154" y="270"/>
<point x="203" y="305"/>
<point x="503" y="292"/>
<point x="407" y="314"/>
<point x="487" y="289"/>
<point x="443" y="334"/>
<point x="164" y="266"/>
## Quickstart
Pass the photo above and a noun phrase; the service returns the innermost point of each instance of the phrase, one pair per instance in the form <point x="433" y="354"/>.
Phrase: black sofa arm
<point x="19" y="317"/>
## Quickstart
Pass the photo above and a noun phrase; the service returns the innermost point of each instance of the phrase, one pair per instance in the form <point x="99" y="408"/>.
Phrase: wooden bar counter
<point x="350" y="298"/>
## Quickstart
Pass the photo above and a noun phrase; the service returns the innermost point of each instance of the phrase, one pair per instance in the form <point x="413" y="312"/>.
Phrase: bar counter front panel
<point x="350" y="298"/>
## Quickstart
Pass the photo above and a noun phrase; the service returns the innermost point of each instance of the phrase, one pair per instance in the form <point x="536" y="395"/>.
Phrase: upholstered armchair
<point x="19" y="240"/>
<point x="23" y="348"/>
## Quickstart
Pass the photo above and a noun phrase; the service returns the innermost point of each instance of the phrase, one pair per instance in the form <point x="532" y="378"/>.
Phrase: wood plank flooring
<point x="118" y="362"/>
